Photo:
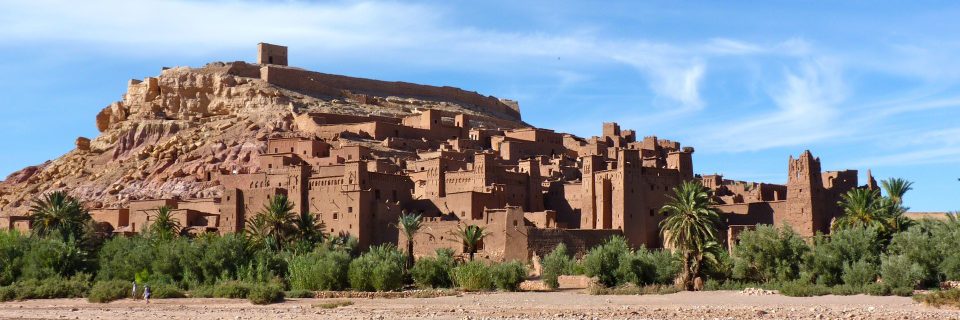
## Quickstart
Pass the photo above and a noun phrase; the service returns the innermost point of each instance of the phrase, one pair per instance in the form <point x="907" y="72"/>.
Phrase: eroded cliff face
<point x="169" y="134"/>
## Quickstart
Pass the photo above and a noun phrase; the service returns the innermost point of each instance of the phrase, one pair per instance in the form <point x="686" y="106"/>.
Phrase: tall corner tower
<point x="804" y="210"/>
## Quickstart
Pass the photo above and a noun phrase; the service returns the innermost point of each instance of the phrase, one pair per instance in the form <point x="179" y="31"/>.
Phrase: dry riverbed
<point x="518" y="305"/>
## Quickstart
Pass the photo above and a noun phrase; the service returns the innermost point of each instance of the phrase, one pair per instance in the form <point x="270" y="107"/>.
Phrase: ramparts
<point x="337" y="85"/>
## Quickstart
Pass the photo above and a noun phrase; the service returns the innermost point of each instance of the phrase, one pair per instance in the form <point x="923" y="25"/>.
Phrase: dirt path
<point x="522" y="305"/>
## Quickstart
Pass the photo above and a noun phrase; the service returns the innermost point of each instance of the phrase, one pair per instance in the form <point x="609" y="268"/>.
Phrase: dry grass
<point x="333" y="304"/>
<point x="949" y="298"/>
<point x="632" y="289"/>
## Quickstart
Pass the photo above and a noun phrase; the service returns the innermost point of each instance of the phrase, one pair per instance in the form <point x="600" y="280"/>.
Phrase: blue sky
<point x="862" y="84"/>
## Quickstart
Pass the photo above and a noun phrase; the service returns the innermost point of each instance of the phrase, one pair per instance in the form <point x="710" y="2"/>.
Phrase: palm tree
<point x="308" y="228"/>
<point x="409" y="224"/>
<point x="164" y="226"/>
<point x="59" y="214"/>
<point x="472" y="236"/>
<point x="691" y="224"/>
<point x="861" y="208"/>
<point x="896" y="188"/>
<point x="274" y="224"/>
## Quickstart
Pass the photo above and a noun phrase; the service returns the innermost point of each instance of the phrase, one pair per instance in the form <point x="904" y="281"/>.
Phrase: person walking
<point x="133" y="293"/>
<point x="146" y="293"/>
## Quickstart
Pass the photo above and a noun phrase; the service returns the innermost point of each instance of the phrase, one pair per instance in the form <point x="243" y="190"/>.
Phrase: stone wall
<point x="578" y="241"/>
<point x="337" y="86"/>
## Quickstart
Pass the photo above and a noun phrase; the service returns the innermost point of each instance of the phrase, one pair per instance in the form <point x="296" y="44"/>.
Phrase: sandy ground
<point x="520" y="305"/>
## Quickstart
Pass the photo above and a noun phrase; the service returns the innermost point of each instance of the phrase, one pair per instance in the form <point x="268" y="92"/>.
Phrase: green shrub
<point x="319" y="271"/>
<point x="557" y="263"/>
<point x="380" y="269"/>
<point x="900" y="273"/>
<point x="507" y="276"/>
<point x="800" y="288"/>
<point x="166" y="291"/>
<point x="53" y="288"/>
<point x="846" y="290"/>
<point x="472" y="276"/>
<point x="824" y="265"/>
<point x="106" y="291"/>
<point x="859" y="274"/>
<point x="8" y="293"/>
<point x="434" y="272"/>
<point x="919" y="246"/>
<point x="265" y="294"/>
<point x="202" y="291"/>
<point x="769" y="254"/>
<point x="13" y="245"/>
<point x="47" y="258"/>
<point x="603" y="261"/>
<point x="877" y="289"/>
<point x="665" y="264"/>
<point x="231" y="290"/>
<point x="300" y="294"/>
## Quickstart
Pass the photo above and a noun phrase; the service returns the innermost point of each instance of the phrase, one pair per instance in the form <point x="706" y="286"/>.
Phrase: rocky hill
<point x="170" y="132"/>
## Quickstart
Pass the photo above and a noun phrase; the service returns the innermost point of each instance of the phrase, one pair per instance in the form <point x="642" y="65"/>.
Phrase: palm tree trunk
<point x="409" y="253"/>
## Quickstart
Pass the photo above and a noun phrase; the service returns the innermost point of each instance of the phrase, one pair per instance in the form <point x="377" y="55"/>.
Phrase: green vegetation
<point x="555" y="264"/>
<point x="434" y="272"/>
<point x="409" y="224"/>
<point x="872" y="249"/>
<point x="690" y="228"/>
<point x="106" y="291"/>
<point x="472" y="236"/>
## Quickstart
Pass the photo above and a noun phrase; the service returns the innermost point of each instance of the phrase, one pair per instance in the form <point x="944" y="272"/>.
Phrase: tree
<point x="308" y="228"/>
<point x="58" y="214"/>
<point x="690" y="226"/>
<point x="861" y="208"/>
<point x="409" y="224"/>
<point x="896" y="188"/>
<point x="164" y="226"/>
<point x="472" y="236"/>
<point x="274" y="224"/>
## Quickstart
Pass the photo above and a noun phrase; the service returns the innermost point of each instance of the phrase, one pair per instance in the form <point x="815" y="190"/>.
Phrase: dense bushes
<point x="829" y="255"/>
<point x="613" y="264"/>
<point x="379" y="269"/>
<point x="49" y="288"/>
<point x="265" y="294"/>
<point x="106" y="291"/>
<point x="603" y="262"/>
<point x="508" y="276"/>
<point x="472" y="276"/>
<point x="769" y="254"/>
<point x="900" y="273"/>
<point x="325" y="270"/>
<point x="434" y="272"/>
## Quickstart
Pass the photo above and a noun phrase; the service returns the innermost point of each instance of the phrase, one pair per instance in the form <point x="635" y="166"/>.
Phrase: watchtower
<point x="805" y="197"/>
<point x="271" y="54"/>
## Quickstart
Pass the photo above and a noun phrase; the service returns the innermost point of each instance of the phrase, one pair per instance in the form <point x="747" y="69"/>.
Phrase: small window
<point x="336" y="216"/>
<point x="514" y="223"/>
<point x="349" y="209"/>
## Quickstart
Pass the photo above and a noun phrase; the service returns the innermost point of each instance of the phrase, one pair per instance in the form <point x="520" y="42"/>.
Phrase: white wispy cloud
<point x="806" y="111"/>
